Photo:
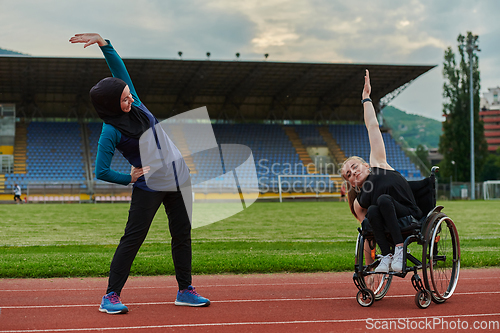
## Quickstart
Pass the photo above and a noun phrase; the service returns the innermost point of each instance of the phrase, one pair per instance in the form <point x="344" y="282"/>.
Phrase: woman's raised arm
<point x="115" y="63"/>
<point x="377" y="147"/>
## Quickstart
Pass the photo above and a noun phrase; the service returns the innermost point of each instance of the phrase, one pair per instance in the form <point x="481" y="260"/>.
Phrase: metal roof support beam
<point x="36" y="110"/>
<point x="340" y="89"/>
<point x="286" y="115"/>
<point x="272" y="115"/>
<point x="333" y="115"/>
<point x="72" y="111"/>
<point x="275" y="106"/>
<point x="384" y="101"/>
<point x="318" y="116"/>
<point x="187" y="95"/>
<point x="289" y="93"/>
<point x="240" y="92"/>
<point x="239" y="115"/>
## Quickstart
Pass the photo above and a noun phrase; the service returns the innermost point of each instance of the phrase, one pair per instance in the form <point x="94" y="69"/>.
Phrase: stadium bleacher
<point x="353" y="140"/>
<point x="272" y="150"/>
<point x="309" y="135"/>
<point x="55" y="152"/>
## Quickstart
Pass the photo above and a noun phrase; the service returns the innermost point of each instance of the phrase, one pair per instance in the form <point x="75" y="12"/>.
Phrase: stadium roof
<point x="231" y="90"/>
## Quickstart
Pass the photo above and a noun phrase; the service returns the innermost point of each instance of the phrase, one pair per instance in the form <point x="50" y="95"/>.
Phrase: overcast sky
<point x="348" y="31"/>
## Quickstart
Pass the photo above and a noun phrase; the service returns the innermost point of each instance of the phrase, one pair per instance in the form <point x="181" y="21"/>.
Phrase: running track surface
<point x="309" y="302"/>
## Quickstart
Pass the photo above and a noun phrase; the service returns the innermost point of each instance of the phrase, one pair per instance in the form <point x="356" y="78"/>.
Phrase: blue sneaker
<point x="189" y="297"/>
<point x="112" y="304"/>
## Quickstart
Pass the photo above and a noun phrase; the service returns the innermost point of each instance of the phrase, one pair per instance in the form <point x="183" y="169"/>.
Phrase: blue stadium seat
<point x="49" y="145"/>
<point x="353" y="140"/>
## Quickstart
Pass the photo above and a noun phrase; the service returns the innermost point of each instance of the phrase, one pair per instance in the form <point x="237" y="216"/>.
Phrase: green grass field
<point x="62" y="240"/>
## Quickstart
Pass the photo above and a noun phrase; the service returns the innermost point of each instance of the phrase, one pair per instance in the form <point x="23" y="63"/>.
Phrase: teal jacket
<point x="112" y="139"/>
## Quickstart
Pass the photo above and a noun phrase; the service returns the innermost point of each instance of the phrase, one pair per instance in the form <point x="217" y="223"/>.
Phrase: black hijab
<point x="106" y="98"/>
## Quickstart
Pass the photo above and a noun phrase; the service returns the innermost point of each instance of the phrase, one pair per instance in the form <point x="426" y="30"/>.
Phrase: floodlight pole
<point x="472" y="158"/>
<point x="470" y="47"/>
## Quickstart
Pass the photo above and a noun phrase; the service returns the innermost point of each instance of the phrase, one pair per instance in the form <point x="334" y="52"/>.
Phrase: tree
<point x="492" y="167"/>
<point x="454" y="143"/>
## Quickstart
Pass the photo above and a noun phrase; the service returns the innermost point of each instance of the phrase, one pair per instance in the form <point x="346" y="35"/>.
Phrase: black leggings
<point x="143" y="208"/>
<point x="384" y="216"/>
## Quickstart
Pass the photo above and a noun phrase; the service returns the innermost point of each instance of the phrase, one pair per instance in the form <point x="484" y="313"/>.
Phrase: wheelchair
<point x="440" y="261"/>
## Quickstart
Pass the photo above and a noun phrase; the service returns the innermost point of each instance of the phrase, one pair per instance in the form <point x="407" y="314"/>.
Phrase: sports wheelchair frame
<point x="440" y="262"/>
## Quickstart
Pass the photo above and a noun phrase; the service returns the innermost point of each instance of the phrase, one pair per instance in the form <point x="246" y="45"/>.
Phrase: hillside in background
<point x="414" y="129"/>
<point x="8" y="52"/>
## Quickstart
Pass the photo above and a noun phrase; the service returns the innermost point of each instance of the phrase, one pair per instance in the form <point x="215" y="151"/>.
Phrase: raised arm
<point x="115" y="63"/>
<point x="377" y="147"/>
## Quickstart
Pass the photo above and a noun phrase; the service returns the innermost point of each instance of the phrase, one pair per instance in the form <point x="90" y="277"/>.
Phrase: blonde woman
<point x="378" y="192"/>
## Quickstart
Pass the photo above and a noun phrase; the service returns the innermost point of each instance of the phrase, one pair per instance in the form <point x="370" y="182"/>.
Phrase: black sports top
<point x="382" y="181"/>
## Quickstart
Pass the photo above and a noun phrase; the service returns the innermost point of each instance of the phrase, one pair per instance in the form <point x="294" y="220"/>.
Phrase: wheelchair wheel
<point x="365" y="297"/>
<point x="441" y="258"/>
<point x="378" y="283"/>
<point x="423" y="299"/>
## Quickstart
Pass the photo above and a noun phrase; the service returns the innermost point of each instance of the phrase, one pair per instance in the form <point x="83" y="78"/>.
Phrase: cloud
<point x="354" y="31"/>
<point x="324" y="30"/>
<point x="317" y="30"/>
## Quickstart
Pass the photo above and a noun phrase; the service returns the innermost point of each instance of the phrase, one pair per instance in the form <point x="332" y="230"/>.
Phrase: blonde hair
<point x="347" y="160"/>
<point x="352" y="193"/>
<point x="351" y="196"/>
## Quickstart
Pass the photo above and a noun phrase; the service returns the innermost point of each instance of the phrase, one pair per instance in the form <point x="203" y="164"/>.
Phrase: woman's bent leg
<point x="392" y="211"/>
<point x="377" y="222"/>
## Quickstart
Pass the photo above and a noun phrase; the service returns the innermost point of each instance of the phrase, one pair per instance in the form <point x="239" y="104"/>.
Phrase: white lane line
<point x="342" y="298"/>
<point x="222" y="285"/>
<point x="175" y="287"/>
<point x="170" y="303"/>
<point x="327" y="321"/>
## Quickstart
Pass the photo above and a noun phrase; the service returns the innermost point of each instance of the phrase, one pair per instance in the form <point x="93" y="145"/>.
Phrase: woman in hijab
<point x="126" y="119"/>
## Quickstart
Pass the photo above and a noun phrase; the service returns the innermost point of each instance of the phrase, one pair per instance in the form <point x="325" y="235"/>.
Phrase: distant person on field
<point x="379" y="193"/>
<point x="125" y="119"/>
<point x="17" y="194"/>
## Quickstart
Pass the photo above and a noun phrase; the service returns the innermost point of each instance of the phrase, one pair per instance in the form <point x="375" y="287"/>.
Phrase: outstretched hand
<point x="88" y="39"/>
<point x="368" y="88"/>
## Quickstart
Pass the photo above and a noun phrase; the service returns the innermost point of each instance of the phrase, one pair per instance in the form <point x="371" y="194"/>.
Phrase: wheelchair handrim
<point x="456" y="257"/>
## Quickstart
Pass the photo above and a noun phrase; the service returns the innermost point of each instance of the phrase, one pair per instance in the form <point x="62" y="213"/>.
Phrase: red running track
<point x="315" y="302"/>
